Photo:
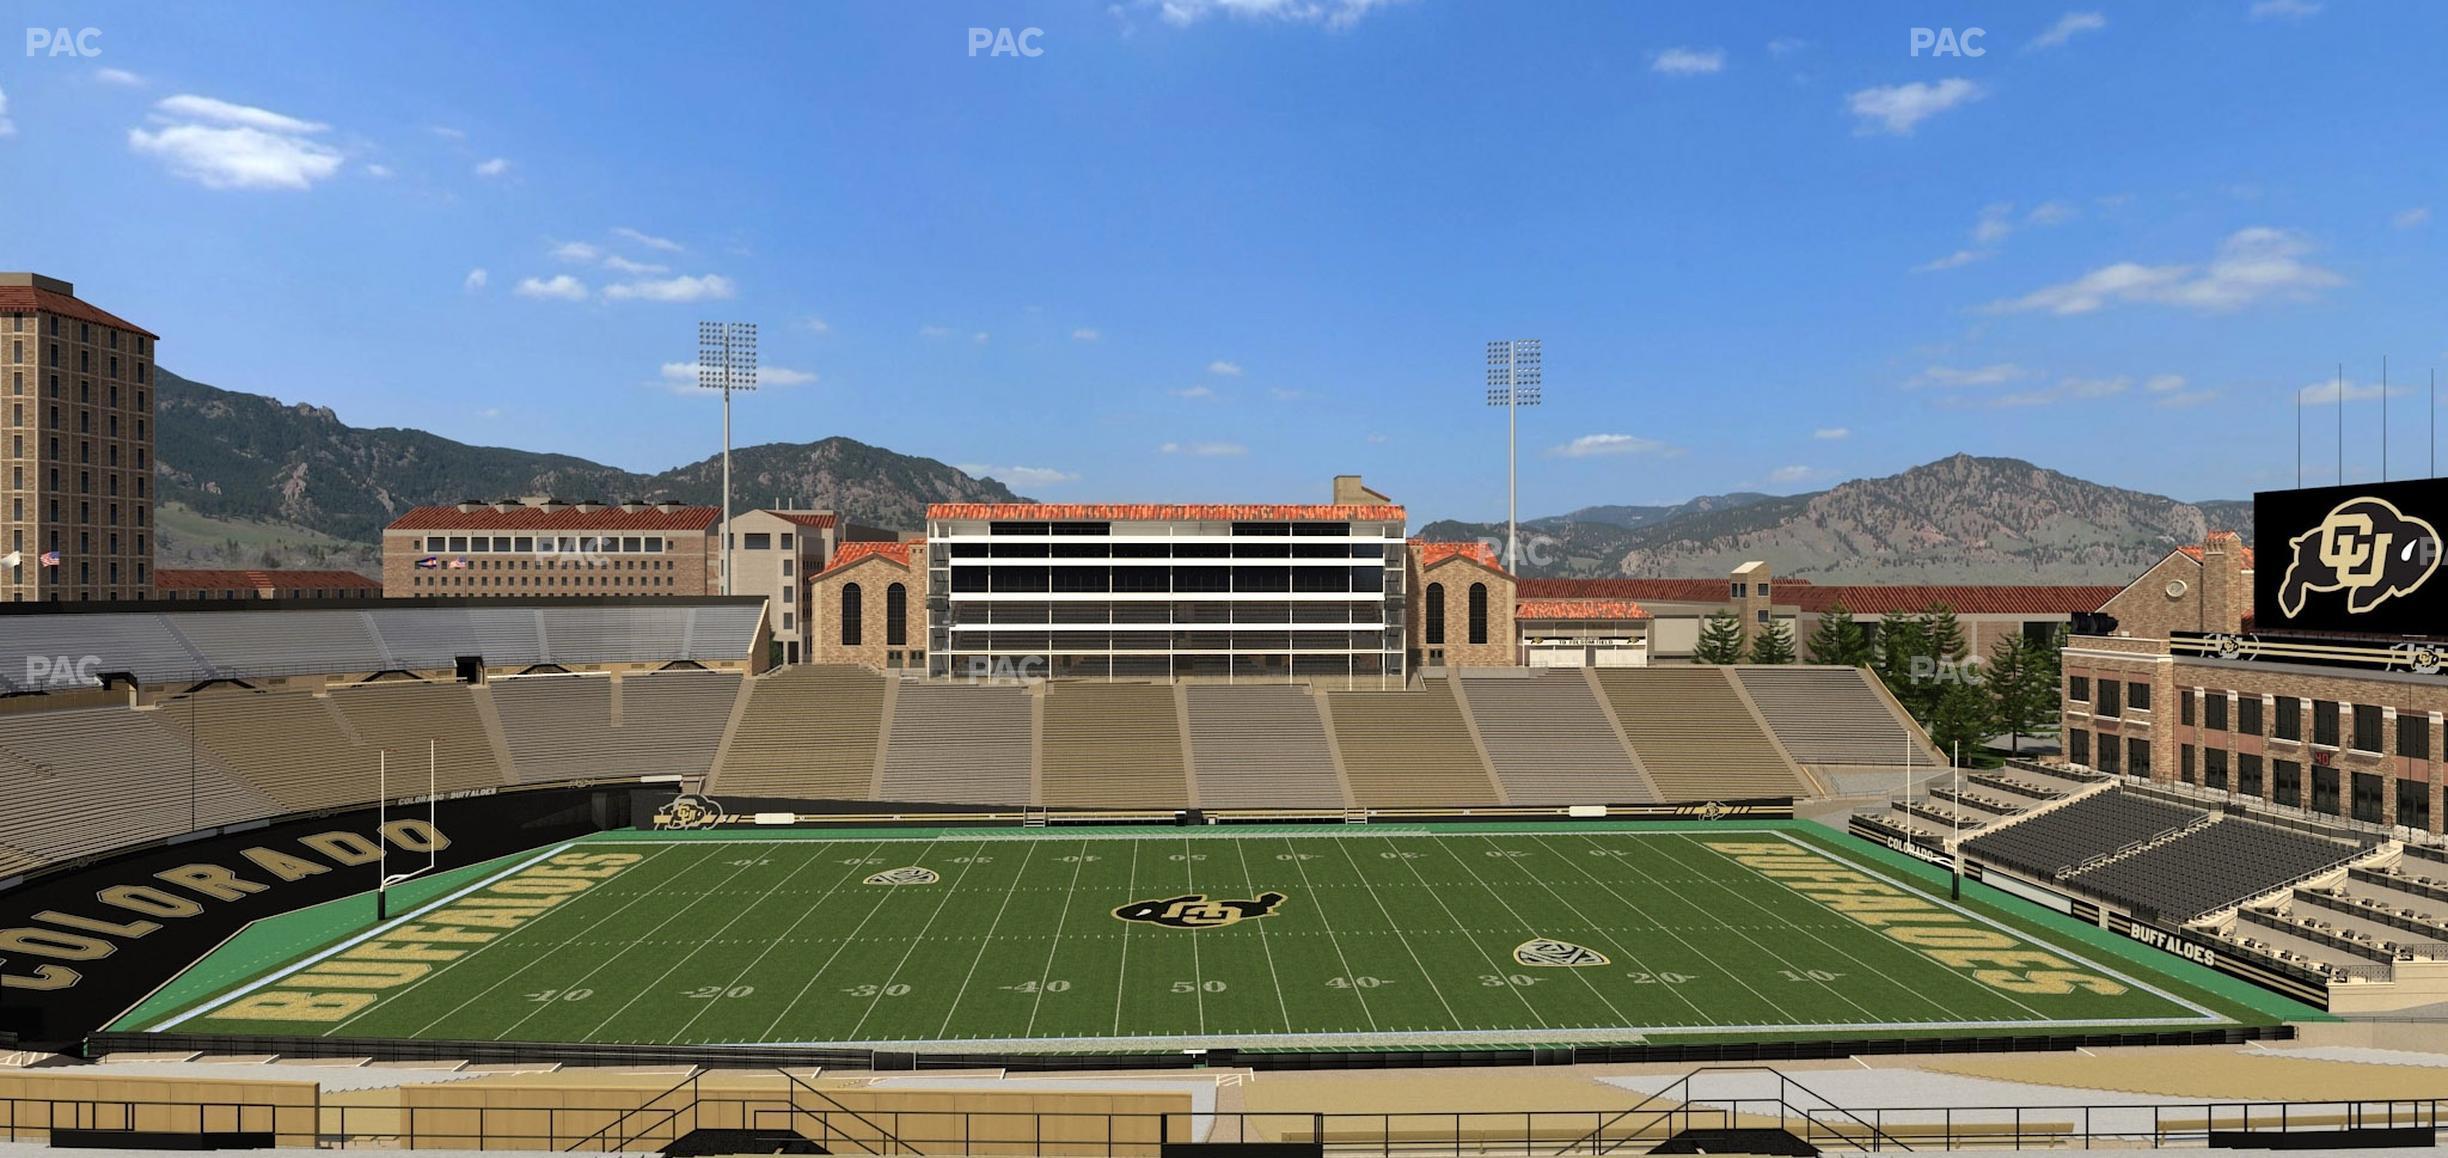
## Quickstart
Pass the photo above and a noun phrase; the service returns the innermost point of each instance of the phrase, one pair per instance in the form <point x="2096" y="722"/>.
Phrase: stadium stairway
<point x="1261" y="746"/>
<point x="1697" y="737"/>
<point x="1409" y="749"/>
<point x="1111" y="745"/>
<point x="1550" y="739"/>
<point x="961" y="744"/>
<point x="807" y="733"/>
<point x="90" y="780"/>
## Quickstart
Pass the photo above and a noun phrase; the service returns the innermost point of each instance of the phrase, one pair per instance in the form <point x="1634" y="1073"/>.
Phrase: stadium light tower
<point x="726" y="361"/>
<point x="1512" y="382"/>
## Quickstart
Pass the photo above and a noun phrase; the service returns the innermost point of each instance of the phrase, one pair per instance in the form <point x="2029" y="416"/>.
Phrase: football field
<point x="1085" y="940"/>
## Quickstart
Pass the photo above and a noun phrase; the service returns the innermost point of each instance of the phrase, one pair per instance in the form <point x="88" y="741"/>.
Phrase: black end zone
<point x="1736" y="1142"/>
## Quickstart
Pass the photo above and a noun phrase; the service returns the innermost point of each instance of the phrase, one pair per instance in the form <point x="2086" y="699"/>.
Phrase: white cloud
<point x="1898" y="108"/>
<point x="684" y="288"/>
<point x="1994" y="224"/>
<point x="648" y="240"/>
<point x="577" y="251"/>
<point x="475" y="280"/>
<point x="1681" y="61"/>
<point x="221" y="145"/>
<point x="1959" y="258"/>
<point x="981" y="337"/>
<point x="682" y="376"/>
<point x="559" y="287"/>
<point x="1787" y="45"/>
<point x="1195" y="393"/>
<point x="1335" y="14"/>
<point x="2283" y="9"/>
<point x="1227" y="369"/>
<point x="493" y="167"/>
<point x="2413" y="218"/>
<point x="2053" y="213"/>
<point x="2325" y="393"/>
<point x="618" y="264"/>
<point x="1832" y="433"/>
<point x="1994" y="374"/>
<point x="1374" y="439"/>
<point x="1594" y="445"/>
<point x="1787" y="475"/>
<point x="2164" y="383"/>
<point x="815" y="325"/>
<point x="1286" y="394"/>
<point x="934" y="331"/>
<point x="1204" y="449"/>
<point x="2067" y="28"/>
<point x="8" y="128"/>
<point x="2251" y="265"/>
<point x="448" y="133"/>
<point x="378" y="172"/>
<point x="1025" y="476"/>
<point x="1084" y="334"/>
<point x="119" y="76"/>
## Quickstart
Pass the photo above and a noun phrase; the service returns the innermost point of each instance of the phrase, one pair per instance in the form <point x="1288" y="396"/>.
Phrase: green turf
<point x="1385" y="937"/>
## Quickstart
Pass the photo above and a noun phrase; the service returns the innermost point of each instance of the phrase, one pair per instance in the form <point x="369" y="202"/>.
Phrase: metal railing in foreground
<point x="1773" y="1100"/>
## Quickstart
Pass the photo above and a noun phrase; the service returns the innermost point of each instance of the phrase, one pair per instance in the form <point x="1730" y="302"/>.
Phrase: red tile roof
<point x="199" y="579"/>
<point x="2195" y="554"/>
<point x="451" y="518"/>
<point x="1432" y="553"/>
<point x="853" y="552"/>
<point x="1861" y="599"/>
<point x="1166" y="512"/>
<point x="26" y="297"/>
<point x="821" y="521"/>
<point x="1578" y="609"/>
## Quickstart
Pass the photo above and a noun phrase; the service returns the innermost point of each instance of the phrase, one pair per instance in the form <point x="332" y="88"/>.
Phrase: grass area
<point x="194" y="539"/>
<point x="1177" y="938"/>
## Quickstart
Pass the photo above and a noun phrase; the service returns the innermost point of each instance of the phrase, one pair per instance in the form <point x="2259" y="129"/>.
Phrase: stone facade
<point x="545" y="547"/>
<point x="873" y="569"/>
<point x="1440" y="618"/>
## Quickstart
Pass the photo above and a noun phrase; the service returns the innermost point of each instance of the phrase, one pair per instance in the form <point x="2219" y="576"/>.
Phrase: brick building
<point x="544" y="546"/>
<point x="203" y="584"/>
<point x="78" y="484"/>
<point x="866" y="606"/>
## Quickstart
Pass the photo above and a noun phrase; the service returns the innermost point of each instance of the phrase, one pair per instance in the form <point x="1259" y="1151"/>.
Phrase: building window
<point x="2184" y="763"/>
<point x="2286" y="783"/>
<point x="760" y="541"/>
<point x="2111" y="695"/>
<point x="2184" y="708"/>
<point x="2325" y="791"/>
<point x="2137" y="757"/>
<point x="2137" y="697"/>
<point x="2367" y="727"/>
<point x="852" y="616"/>
<point x="896" y="616"/>
<point x="2078" y="689"/>
<point x="2214" y="712"/>
<point x="2413" y="735"/>
<point x="2108" y="755"/>
<point x="2325" y="723"/>
<point x="2287" y="723"/>
<point x="2214" y="769"/>
<point x="2248" y="774"/>
<point x="2367" y="798"/>
<point x="1436" y="615"/>
<point x="2414" y="804"/>
<point x="1478" y="613"/>
<point x="2248" y="715"/>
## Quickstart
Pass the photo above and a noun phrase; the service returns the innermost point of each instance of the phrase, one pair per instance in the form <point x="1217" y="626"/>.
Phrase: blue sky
<point x="1222" y="250"/>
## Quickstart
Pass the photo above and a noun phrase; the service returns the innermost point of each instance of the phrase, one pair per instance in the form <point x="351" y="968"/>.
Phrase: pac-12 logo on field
<point x="913" y="875"/>
<point x="1549" y="953"/>
<point x="1198" y="911"/>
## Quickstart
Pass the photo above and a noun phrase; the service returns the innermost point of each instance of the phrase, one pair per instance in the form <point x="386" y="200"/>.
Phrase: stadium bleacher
<point x="808" y="733"/>
<point x="1696" y="737"/>
<point x="1550" y="741"/>
<point x="1261" y="746"/>
<point x="1408" y="748"/>
<point x="2227" y="862"/>
<point x="562" y="727"/>
<point x="90" y="780"/>
<point x="1112" y="745"/>
<point x="1833" y="715"/>
<point x="408" y="719"/>
<point x="960" y="744"/>
<point x="2052" y="841"/>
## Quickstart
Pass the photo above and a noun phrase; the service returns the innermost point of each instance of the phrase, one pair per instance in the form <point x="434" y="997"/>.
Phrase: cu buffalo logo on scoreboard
<point x="1199" y="911"/>
<point x="2364" y="547"/>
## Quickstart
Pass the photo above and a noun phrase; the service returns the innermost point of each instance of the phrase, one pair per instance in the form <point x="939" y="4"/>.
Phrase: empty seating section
<point x="287" y="744"/>
<point x="2067" y="836"/>
<point x="959" y="744"/>
<point x="1408" y="749"/>
<point x="435" y="637"/>
<point x="1695" y="737"/>
<point x="810" y="733"/>
<point x="87" y="781"/>
<point x="1112" y="745"/>
<point x="265" y="643"/>
<point x="143" y="644"/>
<point x="2211" y="868"/>
<point x="1831" y="715"/>
<point x="410" y="719"/>
<point x="558" y="726"/>
<point x="671" y="722"/>
<point x="1550" y="741"/>
<point x="612" y="634"/>
<point x="1261" y="746"/>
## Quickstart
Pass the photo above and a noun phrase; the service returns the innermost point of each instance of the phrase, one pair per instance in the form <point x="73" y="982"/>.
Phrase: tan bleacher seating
<point x="1695" y="737"/>
<point x="286" y="744"/>
<point x="1408" y="749"/>
<point x="557" y="726"/>
<point x="15" y="860"/>
<point x="672" y="721"/>
<point x="90" y="780"/>
<point x="959" y="744"/>
<point x="560" y="727"/>
<point x="809" y="733"/>
<point x="1112" y="745"/>
<point x="1550" y="741"/>
<point x="1261" y="746"/>
<point x="403" y="717"/>
<point x="1831" y="715"/>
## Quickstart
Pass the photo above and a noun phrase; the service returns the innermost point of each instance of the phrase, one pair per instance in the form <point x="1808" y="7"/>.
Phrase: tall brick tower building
<point x="76" y="466"/>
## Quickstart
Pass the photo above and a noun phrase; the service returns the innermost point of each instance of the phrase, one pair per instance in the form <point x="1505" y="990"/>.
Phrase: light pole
<point x="1512" y="382"/>
<point x="726" y="361"/>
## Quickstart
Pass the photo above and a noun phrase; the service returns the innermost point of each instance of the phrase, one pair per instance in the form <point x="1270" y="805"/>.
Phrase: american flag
<point x="458" y="564"/>
<point x="50" y="558"/>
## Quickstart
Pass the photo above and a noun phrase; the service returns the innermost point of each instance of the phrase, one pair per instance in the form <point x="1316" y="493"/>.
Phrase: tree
<point x="1903" y="639"/>
<point x="2022" y="687"/>
<point x="1944" y="631"/>
<point x="1839" y="641"/>
<point x="1960" y="715"/>
<point x="1774" y="643"/>
<point x="1720" y="640"/>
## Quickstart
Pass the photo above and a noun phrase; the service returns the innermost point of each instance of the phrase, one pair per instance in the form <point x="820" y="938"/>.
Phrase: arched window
<point x="1478" y="613"/>
<point x="896" y="616"/>
<point x="1436" y="615"/>
<point x="853" y="616"/>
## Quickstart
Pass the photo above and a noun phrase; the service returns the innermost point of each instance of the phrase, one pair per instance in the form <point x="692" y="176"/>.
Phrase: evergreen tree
<point x="1720" y="640"/>
<point x="1773" y="644"/>
<point x="1838" y="641"/>
<point x="1944" y="632"/>
<point x="1903" y="639"/>
<point x="2022" y="689"/>
<point x="1960" y="716"/>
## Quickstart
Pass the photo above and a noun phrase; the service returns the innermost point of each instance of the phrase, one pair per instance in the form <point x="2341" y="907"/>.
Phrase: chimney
<point x="470" y="506"/>
<point x="632" y="506"/>
<point x="589" y="506"/>
<point x="506" y="506"/>
<point x="549" y="503"/>
<point x="2222" y="582"/>
<point x="1350" y="492"/>
<point x="667" y="506"/>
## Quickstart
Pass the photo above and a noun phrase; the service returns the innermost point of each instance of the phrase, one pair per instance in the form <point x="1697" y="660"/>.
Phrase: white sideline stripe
<point x="360" y="938"/>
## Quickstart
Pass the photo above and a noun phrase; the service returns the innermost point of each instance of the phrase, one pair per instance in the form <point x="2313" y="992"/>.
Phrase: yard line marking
<point x="628" y="944"/>
<point x="1416" y="963"/>
<point x="1502" y="969"/>
<point x="997" y="923"/>
<point x="1840" y="950"/>
<point x="679" y="959"/>
<point x="1623" y="947"/>
<point x="949" y="892"/>
<point x="1609" y="886"/>
<point x="814" y="857"/>
<point x="517" y="971"/>
<point x="1581" y="975"/>
<point x="1122" y="968"/>
<point x="1198" y="975"/>
<point x="1241" y="850"/>
<point x="884" y="895"/>
<point x="1337" y="942"/>
<point x="1078" y="862"/>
